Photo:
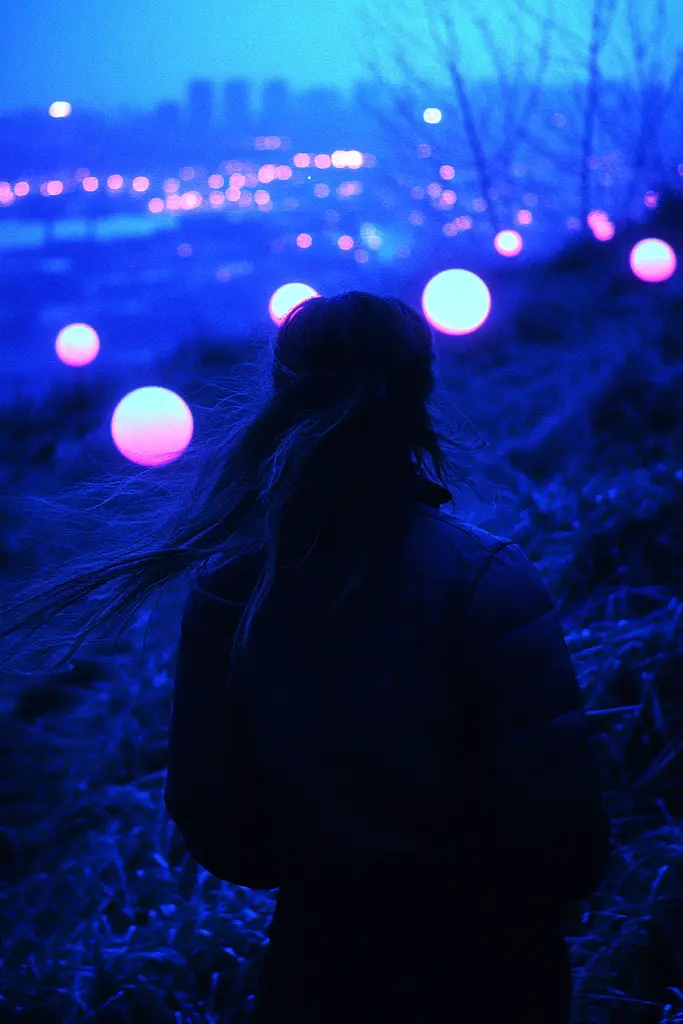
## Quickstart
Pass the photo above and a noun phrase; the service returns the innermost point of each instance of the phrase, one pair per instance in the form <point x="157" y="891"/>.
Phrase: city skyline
<point x="148" y="58"/>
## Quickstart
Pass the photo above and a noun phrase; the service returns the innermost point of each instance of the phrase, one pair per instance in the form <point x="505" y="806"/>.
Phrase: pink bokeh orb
<point x="286" y="298"/>
<point x="456" y="302"/>
<point x="596" y="217"/>
<point x="508" y="243"/>
<point x="77" y="344"/>
<point x="603" y="230"/>
<point x="152" y="426"/>
<point x="652" y="260"/>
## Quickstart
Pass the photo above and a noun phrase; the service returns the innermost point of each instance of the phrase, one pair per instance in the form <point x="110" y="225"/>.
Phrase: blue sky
<point x="109" y="52"/>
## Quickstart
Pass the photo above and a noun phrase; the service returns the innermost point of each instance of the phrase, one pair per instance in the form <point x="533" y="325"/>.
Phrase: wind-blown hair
<point x="332" y="425"/>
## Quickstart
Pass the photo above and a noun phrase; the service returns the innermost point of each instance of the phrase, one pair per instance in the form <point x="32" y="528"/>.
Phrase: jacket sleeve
<point x="198" y="757"/>
<point x="543" y="820"/>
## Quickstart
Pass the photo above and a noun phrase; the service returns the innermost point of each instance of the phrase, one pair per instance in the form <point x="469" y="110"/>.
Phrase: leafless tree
<point x="491" y="127"/>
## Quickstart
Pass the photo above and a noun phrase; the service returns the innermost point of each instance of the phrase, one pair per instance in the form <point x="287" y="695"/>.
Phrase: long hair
<point x="340" y="406"/>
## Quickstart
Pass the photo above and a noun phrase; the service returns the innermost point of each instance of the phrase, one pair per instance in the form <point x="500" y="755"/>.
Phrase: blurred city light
<point x="141" y="183"/>
<point x="77" y="344"/>
<point x="287" y="297"/>
<point x="456" y="302"/>
<point x="508" y="243"/>
<point x="190" y="200"/>
<point x="304" y="241"/>
<point x="114" y="182"/>
<point x="595" y="217"/>
<point x="60" y="108"/>
<point x="432" y="115"/>
<point x="603" y="230"/>
<point x="653" y="260"/>
<point x="152" y="426"/>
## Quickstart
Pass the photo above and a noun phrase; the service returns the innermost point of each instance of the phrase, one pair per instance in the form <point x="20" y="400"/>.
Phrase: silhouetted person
<point x="375" y="708"/>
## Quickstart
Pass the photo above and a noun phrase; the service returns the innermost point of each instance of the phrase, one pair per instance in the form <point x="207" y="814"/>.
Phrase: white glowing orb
<point x="60" y="108"/>
<point x="432" y="115"/>
<point x="152" y="426"/>
<point x="456" y="302"/>
<point x="508" y="243"/>
<point x="286" y="298"/>
<point x="652" y="260"/>
<point x="77" y="344"/>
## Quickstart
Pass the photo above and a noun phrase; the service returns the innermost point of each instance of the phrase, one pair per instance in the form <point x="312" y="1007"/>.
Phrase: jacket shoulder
<point x="462" y="537"/>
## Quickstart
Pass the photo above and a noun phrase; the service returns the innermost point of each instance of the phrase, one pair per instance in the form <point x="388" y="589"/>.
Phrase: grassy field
<point x="580" y="392"/>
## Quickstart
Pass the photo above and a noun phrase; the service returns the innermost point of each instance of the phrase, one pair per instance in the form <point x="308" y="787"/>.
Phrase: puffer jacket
<point x="436" y="715"/>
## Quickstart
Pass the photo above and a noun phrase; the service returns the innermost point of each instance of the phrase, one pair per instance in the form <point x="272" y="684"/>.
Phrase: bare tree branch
<point x="478" y="154"/>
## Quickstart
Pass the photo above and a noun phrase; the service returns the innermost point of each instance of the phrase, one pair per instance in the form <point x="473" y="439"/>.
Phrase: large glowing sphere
<point x="456" y="302"/>
<point x="152" y="426"/>
<point x="652" y="260"/>
<point x="77" y="344"/>
<point x="508" y="243"/>
<point x="286" y="298"/>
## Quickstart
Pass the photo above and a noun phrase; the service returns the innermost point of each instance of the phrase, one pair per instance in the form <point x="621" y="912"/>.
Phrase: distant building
<point x="237" y="104"/>
<point x="322" y="119"/>
<point x="201" y="103"/>
<point x="276" y="106"/>
<point x="168" y="114"/>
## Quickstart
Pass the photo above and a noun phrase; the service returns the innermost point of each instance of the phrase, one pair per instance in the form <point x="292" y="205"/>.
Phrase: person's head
<point x="351" y="377"/>
<point x="339" y="419"/>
